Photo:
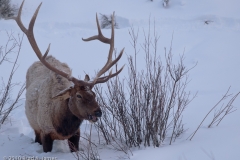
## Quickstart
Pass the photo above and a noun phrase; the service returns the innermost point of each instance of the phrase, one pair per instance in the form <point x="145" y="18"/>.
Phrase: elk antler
<point x="30" y="35"/>
<point x="109" y="62"/>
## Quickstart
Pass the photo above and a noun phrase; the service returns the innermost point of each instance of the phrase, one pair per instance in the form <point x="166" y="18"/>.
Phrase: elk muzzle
<point x="94" y="118"/>
<point x="98" y="113"/>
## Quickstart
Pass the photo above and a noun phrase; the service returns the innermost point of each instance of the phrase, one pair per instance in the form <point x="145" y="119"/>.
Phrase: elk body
<point x="56" y="102"/>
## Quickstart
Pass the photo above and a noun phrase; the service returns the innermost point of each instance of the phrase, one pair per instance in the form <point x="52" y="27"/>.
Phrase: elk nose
<point x="98" y="113"/>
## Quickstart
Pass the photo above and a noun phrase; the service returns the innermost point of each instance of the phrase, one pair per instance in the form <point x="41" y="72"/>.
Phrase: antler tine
<point x="112" y="37"/>
<point x="99" y="37"/>
<point x="30" y="35"/>
<point x="106" y="78"/>
<point x="108" y="65"/>
<point x="109" y="62"/>
<point x="18" y="19"/>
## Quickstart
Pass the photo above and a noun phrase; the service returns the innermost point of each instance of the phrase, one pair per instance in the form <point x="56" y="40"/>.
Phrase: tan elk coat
<point x="43" y="84"/>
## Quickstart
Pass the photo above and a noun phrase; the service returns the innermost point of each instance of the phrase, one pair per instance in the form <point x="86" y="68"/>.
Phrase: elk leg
<point x="73" y="141"/>
<point x="37" y="137"/>
<point x="47" y="142"/>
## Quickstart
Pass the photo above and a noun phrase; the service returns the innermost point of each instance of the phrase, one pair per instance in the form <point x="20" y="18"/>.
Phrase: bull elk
<point x="56" y="102"/>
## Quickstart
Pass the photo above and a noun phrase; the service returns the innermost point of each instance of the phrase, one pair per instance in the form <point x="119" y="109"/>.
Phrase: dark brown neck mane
<point x="66" y="123"/>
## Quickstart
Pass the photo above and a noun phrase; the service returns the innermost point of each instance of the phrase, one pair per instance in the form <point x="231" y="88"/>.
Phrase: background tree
<point x="7" y="9"/>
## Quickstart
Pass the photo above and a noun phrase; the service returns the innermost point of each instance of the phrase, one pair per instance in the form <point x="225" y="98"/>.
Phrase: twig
<point x="224" y="97"/>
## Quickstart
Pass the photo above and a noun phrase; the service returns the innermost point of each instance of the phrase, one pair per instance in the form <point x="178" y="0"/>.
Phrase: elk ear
<point x="64" y="94"/>
<point x="86" y="78"/>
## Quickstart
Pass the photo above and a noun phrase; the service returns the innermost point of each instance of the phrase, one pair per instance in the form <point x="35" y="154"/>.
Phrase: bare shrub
<point x="7" y="9"/>
<point x="7" y="103"/>
<point x="210" y="155"/>
<point x="207" y="22"/>
<point x="106" y="21"/>
<point x="147" y="106"/>
<point x="88" y="150"/>
<point x="165" y="3"/>
<point x="219" y="113"/>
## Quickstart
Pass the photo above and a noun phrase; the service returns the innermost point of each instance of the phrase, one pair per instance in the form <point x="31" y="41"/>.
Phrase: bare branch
<point x="224" y="97"/>
<point x="6" y="104"/>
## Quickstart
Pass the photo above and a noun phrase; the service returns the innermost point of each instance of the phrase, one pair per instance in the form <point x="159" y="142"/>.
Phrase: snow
<point x="213" y="46"/>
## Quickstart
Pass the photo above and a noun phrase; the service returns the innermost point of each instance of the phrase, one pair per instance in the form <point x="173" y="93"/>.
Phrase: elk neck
<point x="65" y="122"/>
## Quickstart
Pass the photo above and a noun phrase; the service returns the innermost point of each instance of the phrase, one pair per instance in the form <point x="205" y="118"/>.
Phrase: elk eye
<point x="79" y="96"/>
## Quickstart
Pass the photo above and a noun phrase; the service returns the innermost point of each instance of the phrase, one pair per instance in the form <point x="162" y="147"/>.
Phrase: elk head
<point x="81" y="98"/>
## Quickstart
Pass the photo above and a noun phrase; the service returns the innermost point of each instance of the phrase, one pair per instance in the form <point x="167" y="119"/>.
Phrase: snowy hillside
<point x="207" y="32"/>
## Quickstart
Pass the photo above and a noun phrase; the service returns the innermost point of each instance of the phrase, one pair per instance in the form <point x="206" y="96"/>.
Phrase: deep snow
<point x="214" y="46"/>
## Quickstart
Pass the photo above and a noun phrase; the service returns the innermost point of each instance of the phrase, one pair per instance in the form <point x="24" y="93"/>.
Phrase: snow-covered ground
<point x="214" y="46"/>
